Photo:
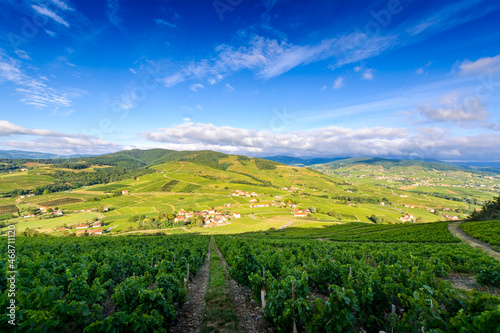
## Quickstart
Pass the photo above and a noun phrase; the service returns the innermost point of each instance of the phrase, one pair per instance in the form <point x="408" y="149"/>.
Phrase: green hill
<point x="159" y="183"/>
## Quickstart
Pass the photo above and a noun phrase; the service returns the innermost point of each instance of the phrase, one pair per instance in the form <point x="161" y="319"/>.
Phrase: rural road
<point x="460" y="234"/>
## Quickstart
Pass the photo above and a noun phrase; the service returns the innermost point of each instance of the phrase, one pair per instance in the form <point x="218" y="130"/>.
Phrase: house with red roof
<point x="95" y="231"/>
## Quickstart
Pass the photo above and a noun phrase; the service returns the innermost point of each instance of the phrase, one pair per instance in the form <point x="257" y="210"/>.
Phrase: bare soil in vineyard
<point x="466" y="282"/>
<point x="250" y="313"/>
<point x="190" y="317"/>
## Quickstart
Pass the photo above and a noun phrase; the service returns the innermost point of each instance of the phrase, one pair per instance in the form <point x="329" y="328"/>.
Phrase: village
<point x="211" y="217"/>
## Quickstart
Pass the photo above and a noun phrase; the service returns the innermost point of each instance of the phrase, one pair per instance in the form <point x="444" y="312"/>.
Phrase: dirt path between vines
<point x="475" y="243"/>
<point x="190" y="317"/>
<point x="250" y="313"/>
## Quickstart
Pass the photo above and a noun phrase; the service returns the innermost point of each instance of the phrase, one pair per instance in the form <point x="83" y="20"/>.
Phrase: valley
<point x="150" y="196"/>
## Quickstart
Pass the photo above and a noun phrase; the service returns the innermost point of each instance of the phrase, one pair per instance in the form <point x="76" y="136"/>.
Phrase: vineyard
<point x="363" y="232"/>
<point x="169" y="186"/>
<point x="60" y="202"/>
<point x="397" y="280"/>
<point x="8" y="209"/>
<point x="486" y="231"/>
<point x="190" y="188"/>
<point x="346" y="287"/>
<point x="102" y="285"/>
<point x="110" y="187"/>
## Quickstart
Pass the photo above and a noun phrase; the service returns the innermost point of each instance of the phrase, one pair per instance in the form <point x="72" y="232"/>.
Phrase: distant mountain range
<point x="21" y="154"/>
<point x="156" y="156"/>
<point x="335" y="162"/>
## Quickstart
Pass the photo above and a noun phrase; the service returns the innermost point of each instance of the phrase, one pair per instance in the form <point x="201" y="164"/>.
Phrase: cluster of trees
<point x="74" y="165"/>
<point x="100" y="176"/>
<point x="10" y="165"/>
<point x="377" y="219"/>
<point x="362" y="200"/>
<point x="265" y="164"/>
<point x="489" y="211"/>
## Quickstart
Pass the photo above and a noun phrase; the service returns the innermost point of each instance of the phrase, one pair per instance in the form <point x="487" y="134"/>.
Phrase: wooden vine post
<point x="393" y="317"/>
<point x="186" y="279"/>
<point x="263" y="291"/>
<point x="293" y="307"/>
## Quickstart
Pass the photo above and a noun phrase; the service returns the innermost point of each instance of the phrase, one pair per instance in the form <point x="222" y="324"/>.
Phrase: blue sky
<point x="418" y="79"/>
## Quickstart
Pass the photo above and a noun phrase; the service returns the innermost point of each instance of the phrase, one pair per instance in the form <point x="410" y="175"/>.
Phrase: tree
<point x="312" y="209"/>
<point x="490" y="211"/>
<point x="46" y="191"/>
<point x="30" y="232"/>
<point x="49" y="210"/>
<point x="419" y="220"/>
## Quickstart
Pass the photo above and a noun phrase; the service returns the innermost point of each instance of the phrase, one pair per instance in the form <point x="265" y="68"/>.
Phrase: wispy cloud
<point x="197" y="86"/>
<point x="339" y="83"/>
<point x="51" y="14"/>
<point x="162" y="22"/>
<point x="112" y="13"/>
<point x="63" y="5"/>
<point x="51" y="33"/>
<point x="451" y="15"/>
<point x="229" y="87"/>
<point x="34" y="91"/>
<point x="23" y="54"/>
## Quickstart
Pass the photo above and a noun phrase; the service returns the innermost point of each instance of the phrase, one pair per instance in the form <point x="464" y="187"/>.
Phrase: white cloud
<point x="229" y="87"/>
<point x="52" y="141"/>
<point x="483" y="66"/>
<point x="328" y="141"/>
<point x="368" y="74"/>
<point x="51" y="14"/>
<point x="420" y="70"/>
<point x="339" y="83"/>
<point x="458" y="108"/>
<point x="199" y="107"/>
<point x="197" y="86"/>
<point x="7" y="128"/>
<point x="323" y="88"/>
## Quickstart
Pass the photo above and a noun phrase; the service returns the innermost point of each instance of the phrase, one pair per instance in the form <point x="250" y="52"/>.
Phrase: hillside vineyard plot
<point x="61" y="202"/>
<point x="486" y="231"/>
<point x="8" y="209"/>
<point x="101" y="285"/>
<point x="346" y="287"/>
